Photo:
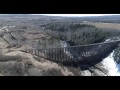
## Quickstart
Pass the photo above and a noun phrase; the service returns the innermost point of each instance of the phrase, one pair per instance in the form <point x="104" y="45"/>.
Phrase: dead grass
<point x="104" y="25"/>
<point x="9" y="58"/>
<point x="30" y="66"/>
<point x="12" y="68"/>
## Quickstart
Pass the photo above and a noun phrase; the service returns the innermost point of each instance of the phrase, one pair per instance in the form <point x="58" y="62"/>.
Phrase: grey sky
<point x="76" y="15"/>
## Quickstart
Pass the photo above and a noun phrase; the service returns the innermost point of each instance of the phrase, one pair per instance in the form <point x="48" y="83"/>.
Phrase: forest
<point x="78" y="33"/>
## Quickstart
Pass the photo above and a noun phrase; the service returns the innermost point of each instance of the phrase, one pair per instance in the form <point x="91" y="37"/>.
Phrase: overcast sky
<point x="76" y="15"/>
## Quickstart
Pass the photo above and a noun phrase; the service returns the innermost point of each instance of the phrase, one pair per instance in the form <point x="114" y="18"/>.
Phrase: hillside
<point x="22" y="32"/>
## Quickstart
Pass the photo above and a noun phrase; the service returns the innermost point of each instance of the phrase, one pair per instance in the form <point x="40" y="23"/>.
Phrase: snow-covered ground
<point x="110" y="64"/>
<point x="112" y="67"/>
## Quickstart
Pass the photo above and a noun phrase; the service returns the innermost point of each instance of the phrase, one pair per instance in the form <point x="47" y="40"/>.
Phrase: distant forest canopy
<point x="79" y="33"/>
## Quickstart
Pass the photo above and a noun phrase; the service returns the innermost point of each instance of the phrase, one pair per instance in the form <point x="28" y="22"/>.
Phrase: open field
<point x="104" y="25"/>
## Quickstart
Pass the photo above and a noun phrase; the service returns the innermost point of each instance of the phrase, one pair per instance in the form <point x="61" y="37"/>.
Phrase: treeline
<point x="64" y="27"/>
<point x="80" y="33"/>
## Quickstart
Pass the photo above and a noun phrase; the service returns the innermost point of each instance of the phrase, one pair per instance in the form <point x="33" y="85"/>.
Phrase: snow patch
<point x="112" y="67"/>
<point x="107" y="40"/>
